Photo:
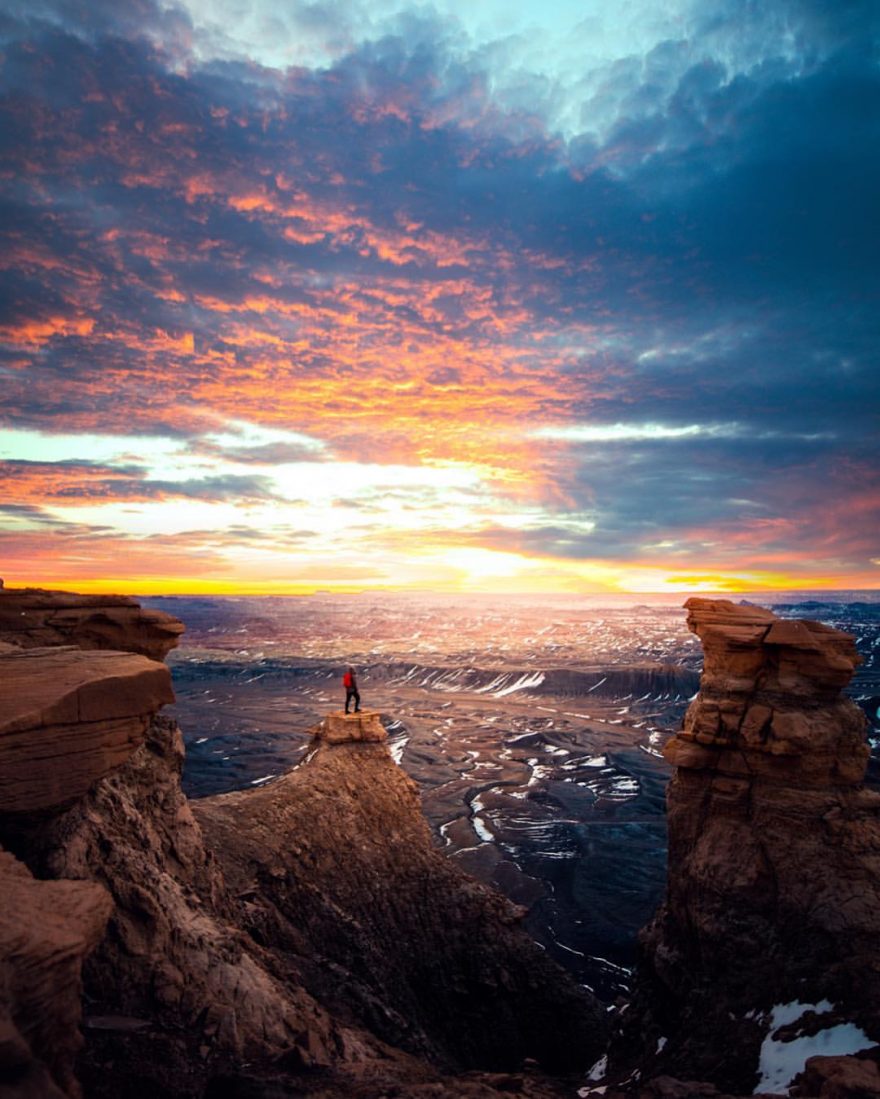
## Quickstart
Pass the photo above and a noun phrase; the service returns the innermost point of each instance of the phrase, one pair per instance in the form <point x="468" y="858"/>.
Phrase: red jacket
<point x="347" y="680"/>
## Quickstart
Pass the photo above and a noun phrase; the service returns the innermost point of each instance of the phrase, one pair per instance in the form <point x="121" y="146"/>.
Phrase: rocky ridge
<point x="305" y="938"/>
<point x="773" y="893"/>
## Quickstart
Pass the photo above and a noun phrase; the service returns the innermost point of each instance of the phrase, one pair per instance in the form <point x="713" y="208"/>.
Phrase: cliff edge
<point x="34" y="618"/>
<point x="304" y="935"/>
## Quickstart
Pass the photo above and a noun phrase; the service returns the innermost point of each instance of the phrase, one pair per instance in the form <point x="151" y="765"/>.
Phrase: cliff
<point x="68" y="718"/>
<point x="301" y="936"/>
<point x="46" y="931"/>
<point x="769" y="930"/>
<point x="33" y="618"/>
<point x="335" y="862"/>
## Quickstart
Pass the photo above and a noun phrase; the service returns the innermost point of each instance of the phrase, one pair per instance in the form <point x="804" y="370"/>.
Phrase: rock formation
<point x="774" y="855"/>
<point x="362" y="727"/>
<point x="336" y="863"/>
<point x="69" y="717"/>
<point x="172" y="957"/>
<point x="46" y="930"/>
<point x="328" y="929"/>
<point x="33" y="618"/>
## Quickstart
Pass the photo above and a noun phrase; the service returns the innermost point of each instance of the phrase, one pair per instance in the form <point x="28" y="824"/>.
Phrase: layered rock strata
<point x="33" y="618"/>
<point x="335" y="864"/>
<point x="341" y="728"/>
<point x="774" y="854"/>
<point x="68" y="718"/>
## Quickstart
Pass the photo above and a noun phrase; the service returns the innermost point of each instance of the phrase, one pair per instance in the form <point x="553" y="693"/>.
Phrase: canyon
<point x="309" y="936"/>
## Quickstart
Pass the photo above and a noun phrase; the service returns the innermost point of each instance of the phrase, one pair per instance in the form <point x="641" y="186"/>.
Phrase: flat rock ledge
<point x="33" y="618"/>
<point x="342" y="728"/>
<point x="68" y="717"/>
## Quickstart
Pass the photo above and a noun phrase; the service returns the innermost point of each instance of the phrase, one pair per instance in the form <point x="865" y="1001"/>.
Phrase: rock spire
<point x="773" y="893"/>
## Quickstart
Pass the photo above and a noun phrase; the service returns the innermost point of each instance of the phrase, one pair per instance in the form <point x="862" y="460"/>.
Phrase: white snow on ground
<point x="599" y="1069"/>
<point x="496" y="682"/>
<point x="482" y="831"/>
<point x="780" y="1062"/>
<point x="539" y="772"/>
<point x="397" y="749"/>
<point x="522" y="684"/>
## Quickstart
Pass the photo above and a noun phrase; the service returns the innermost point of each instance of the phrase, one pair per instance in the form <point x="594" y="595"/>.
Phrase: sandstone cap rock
<point x="342" y="728"/>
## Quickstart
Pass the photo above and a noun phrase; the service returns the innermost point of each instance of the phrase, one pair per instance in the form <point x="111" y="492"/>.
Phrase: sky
<point x="496" y="296"/>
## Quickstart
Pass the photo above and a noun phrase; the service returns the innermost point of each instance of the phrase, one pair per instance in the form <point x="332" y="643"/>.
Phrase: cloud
<point x="635" y="292"/>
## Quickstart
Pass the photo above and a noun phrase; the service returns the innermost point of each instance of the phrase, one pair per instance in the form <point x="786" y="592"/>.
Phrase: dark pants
<point x="352" y="693"/>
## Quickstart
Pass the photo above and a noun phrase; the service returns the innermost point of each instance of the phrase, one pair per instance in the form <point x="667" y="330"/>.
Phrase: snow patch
<point x="780" y="1061"/>
<point x="523" y="683"/>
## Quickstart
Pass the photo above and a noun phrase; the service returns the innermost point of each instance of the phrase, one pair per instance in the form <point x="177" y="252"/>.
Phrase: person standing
<point x="351" y="690"/>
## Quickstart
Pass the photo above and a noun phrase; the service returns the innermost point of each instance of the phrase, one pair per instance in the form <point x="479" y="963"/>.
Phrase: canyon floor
<point x="533" y="727"/>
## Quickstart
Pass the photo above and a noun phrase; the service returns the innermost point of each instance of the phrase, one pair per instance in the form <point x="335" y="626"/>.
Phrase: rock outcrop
<point x="341" y="728"/>
<point x="172" y="957"/>
<point x="329" y="942"/>
<point x="32" y="618"/>
<point x="68" y="718"/>
<point x="774" y="856"/>
<point x="335" y="864"/>
<point x="46" y="930"/>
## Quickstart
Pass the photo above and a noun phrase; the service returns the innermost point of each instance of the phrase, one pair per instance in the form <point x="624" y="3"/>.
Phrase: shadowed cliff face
<point x="335" y="863"/>
<point x="773" y="895"/>
<point x="46" y="930"/>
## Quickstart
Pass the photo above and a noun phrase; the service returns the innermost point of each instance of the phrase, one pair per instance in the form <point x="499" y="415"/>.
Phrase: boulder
<point x="853" y="1077"/>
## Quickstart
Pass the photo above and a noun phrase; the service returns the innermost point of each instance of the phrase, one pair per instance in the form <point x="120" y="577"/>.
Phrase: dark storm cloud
<point x="182" y="235"/>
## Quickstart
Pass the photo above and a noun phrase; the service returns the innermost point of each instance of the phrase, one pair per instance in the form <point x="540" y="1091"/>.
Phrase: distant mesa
<point x="32" y="618"/>
<point x="342" y="728"/>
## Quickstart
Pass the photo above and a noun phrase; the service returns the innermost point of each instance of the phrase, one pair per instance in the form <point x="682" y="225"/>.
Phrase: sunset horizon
<point x="376" y="297"/>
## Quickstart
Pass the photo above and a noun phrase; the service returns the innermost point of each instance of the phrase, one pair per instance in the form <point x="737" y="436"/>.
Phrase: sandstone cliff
<point x="335" y="930"/>
<point x="336" y="863"/>
<point x="68" y="717"/>
<point x="773" y="894"/>
<point x="34" y="618"/>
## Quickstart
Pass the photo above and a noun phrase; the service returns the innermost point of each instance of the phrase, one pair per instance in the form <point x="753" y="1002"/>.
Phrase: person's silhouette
<point x="351" y="690"/>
